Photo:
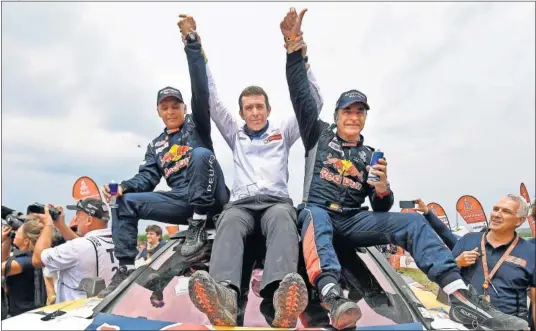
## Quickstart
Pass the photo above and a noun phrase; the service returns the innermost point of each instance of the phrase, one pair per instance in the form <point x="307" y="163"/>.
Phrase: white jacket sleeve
<point x="291" y="128"/>
<point x="225" y="122"/>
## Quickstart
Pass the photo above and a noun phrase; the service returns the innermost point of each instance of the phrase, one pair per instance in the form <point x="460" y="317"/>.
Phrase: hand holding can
<point x="114" y="188"/>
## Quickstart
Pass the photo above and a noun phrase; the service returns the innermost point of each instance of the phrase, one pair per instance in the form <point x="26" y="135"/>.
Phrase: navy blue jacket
<point x="335" y="174"/>
<point x="512" y="280"/>
<point x="168" y="154"/>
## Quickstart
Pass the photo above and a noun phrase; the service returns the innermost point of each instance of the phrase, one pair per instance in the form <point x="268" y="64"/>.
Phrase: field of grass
<point x="525" y="233"/>
<point x="421" y="278"/>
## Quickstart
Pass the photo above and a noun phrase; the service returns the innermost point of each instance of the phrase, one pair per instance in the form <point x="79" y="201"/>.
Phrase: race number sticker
<point x="182" y="286"/>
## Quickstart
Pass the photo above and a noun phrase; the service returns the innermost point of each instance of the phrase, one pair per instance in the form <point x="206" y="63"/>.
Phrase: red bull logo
<point x="339" y="179"/>
<point x="175" y="153"/>
<point x="345" y="168"/>
<point x="178" y="166"/>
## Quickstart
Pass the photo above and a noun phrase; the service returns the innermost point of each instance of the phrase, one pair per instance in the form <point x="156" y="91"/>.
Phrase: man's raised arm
<point x="198" y="78"/>
<point x="200" y="74"/>
<point x="303" y="102"/>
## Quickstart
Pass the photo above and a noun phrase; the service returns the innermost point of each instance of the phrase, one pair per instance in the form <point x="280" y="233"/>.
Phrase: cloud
<point x="451" y="86"/>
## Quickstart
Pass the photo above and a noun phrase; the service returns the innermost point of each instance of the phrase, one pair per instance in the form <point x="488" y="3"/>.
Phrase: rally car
<point x="155" y="297"/>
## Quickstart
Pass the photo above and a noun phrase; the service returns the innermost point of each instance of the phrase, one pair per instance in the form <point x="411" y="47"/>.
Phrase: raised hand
<point x="291" y="24"/>
<point x="186" y="24"/>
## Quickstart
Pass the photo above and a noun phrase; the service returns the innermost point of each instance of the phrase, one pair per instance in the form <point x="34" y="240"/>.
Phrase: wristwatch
<point x="191" y="37"/>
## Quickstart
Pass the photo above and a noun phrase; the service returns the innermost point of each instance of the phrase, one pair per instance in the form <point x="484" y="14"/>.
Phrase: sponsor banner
<point x="532" y="223"/>
<point x="407" y="262"/>
<point x="470" y="209"/>
<point x="439" y="212"/>
<point x="524" y="192"/>
<point x="84" y="188"/>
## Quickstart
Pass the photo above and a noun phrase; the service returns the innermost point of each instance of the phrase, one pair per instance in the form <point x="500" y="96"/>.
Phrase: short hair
<point x="154" y="228"/>
<point x="523" y="210"/>
<point x="253" y="90"/>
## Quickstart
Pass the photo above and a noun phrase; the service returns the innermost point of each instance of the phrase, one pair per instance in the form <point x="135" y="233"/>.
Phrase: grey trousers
<point x="274" y="218"/>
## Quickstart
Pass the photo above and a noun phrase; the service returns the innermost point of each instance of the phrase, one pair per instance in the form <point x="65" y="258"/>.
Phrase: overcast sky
<point x="451" y="88"/>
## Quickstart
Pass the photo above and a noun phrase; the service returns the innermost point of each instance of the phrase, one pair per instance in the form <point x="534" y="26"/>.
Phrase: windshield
<point x="161" y="293"/>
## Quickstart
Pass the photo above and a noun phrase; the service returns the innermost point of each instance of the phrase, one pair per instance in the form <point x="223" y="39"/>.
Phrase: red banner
<point x="472" y="212"/>
<point x="84" y="188"/>
<point x="532" y="223"/>
<point x="439" y="212"/>
<point x="524" y="192"/>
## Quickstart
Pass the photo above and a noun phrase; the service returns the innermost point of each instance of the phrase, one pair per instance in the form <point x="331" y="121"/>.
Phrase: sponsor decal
<point x="176" y="326"/>
<point x="273" y="137"/>
<point x="211" y="173"/>
<point x="161" y="148"/>
<point x="161" y="142"/>
<point x="338" y="179"/>
<point x="516" y="260"/>
<point x="468" y="314"/>
<point x="175" y="153"/>
<point x="333" y="145"/>
<point x="178" y="166"/>
<point x="344" y="167"/>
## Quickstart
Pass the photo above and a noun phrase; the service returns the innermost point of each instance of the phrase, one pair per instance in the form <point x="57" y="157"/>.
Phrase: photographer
<point x="90" y="255"/>
<point x="18" y="270"/>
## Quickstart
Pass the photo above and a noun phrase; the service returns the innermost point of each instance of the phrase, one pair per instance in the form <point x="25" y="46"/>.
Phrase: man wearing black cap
<point x="90" y="255"/>
<point x="336" y="185"/>
<point x="183" y="154"/>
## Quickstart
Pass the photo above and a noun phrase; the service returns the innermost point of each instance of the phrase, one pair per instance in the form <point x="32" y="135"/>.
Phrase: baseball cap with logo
<point x="168" y="92"/>
<point x="93" y="207"/>
<point x="350" y="97"/>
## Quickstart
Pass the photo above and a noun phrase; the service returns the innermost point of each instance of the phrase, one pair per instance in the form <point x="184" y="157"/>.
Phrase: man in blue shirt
<point x="498" y="263"/>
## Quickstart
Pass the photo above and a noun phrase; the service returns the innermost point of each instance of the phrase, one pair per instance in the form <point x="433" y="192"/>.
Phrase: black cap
<point x="168" y="92"/>
<point x="93" y="207"/>
<point x="350" y="97"/>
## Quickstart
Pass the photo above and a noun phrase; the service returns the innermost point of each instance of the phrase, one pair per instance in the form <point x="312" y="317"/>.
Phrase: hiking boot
<point x="120" y="275"/>
<point x="471" y="310"/>
<point x="217" y="301"/>
<point x="196" y="236"/>
<point x="290" y="300"/>
<point x="344" y="312"/>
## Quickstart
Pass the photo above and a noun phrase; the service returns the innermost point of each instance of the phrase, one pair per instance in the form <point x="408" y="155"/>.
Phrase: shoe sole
<point x="349" y="316"/>
<point x="290" y="301"/>
<point x="204" y="296"/>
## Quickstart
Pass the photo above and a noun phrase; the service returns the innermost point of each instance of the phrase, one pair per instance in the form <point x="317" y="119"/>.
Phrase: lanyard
<point x="487" y="275"/>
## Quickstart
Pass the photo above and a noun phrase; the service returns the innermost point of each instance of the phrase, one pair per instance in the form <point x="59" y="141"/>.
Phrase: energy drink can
<point x="114" y="187"/>
<point x="376" y="156"/>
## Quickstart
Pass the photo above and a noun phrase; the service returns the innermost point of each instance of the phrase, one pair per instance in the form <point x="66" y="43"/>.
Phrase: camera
<point x="38" y="208"/>
<point x="13" y="221"/>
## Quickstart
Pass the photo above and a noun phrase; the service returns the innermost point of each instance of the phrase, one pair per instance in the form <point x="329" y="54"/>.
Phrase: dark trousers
<point x="275" y="219"/>
<point x="365" y="228"/>
<point x="205" y="191"/>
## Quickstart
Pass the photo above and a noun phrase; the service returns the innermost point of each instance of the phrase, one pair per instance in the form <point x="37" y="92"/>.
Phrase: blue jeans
<point x="365" y="228"/>
<point x="205" y="191"/>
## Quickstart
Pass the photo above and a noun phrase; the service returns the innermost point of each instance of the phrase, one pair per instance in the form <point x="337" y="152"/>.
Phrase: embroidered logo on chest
<point x="273" y="137"/>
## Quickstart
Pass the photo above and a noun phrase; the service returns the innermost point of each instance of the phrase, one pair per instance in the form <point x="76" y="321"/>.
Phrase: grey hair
<point x="523" y="210"/>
